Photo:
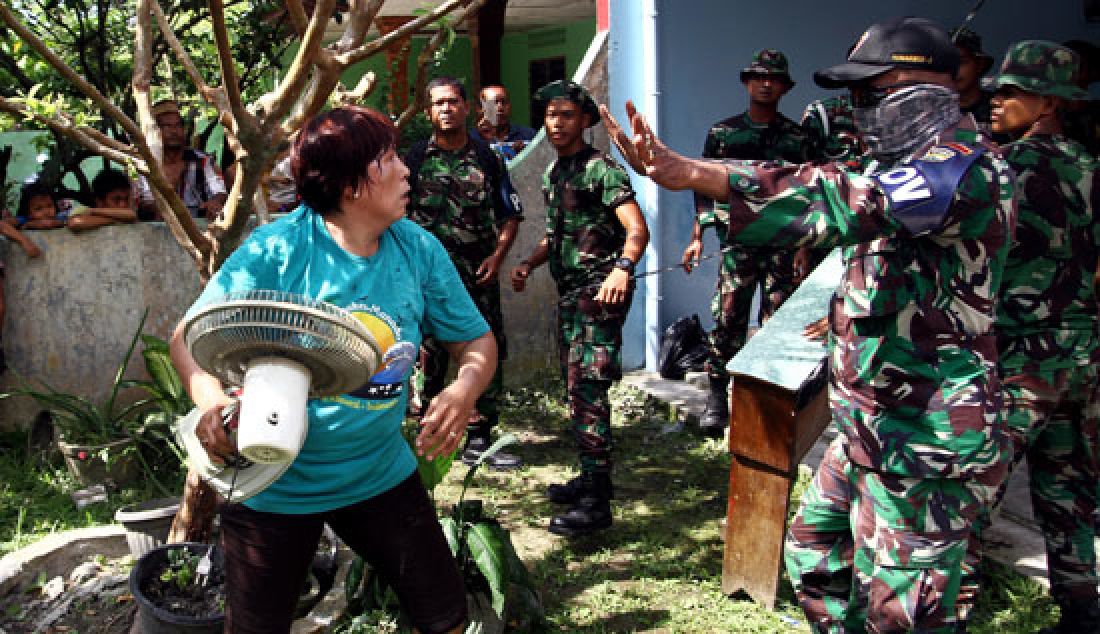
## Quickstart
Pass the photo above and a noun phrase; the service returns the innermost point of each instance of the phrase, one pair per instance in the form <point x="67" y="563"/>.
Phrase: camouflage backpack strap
<point x="921" y="191"/>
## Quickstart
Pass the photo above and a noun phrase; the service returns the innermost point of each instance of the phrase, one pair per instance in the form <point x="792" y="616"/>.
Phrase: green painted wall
<point x="518" y="49"/>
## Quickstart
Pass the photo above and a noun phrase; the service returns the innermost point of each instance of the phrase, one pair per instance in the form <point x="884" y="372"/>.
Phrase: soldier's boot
<point x="571" y="491"/>
<point x="1078" y="617"/>
<point x="716" y="414"/>
<point x="477" y="442"/>
<point x="590" y="512"/>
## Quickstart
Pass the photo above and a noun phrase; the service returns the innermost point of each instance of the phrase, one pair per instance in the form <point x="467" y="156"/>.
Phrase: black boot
<point x="716" y="415"/>
<point x="1078" y="617"/>
<point x="477" y="441"/>
<point x="591" y="511"/>
<point x="571" y="491"/>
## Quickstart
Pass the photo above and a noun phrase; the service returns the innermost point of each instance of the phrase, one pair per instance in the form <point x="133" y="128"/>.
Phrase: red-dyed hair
<point x="333" y="151"/>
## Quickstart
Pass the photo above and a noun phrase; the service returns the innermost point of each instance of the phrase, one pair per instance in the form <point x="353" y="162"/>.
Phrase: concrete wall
<point x="71" y="313"/>
<point x="689" y="76"/>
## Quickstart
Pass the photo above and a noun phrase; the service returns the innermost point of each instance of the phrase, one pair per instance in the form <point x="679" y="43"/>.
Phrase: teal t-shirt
<point x="354" y="449"/>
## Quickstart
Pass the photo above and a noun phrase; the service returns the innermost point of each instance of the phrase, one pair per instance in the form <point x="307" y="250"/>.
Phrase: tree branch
<point x="23" y="33"/>
<point x="285" y="95"/>
<point x="422" y="61"/>
<point x="225" y="58"/>
<point x="360" y="18"/>
<point x="362" y="52"/>
<point x="297" y="14"/>
<point x="213" y="96"/>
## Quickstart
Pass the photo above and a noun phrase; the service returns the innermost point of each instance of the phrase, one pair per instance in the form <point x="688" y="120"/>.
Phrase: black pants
<point x="267" y="557"/>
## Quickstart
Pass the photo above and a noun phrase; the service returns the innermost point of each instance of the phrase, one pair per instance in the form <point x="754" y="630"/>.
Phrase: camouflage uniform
<point x="741" y="269"/>
<point x="455" y="201"/>
<point x="1047" y="330"/>
<point x="830" y="131"/>
<point x="882" y="532"/>
<point x="585" y="237"/>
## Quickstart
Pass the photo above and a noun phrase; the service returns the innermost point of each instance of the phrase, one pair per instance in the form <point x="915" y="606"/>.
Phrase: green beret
<point x="571" y="91"/>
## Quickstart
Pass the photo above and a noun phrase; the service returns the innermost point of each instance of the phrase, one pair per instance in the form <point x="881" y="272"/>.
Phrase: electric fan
<point x="280" y="349"/>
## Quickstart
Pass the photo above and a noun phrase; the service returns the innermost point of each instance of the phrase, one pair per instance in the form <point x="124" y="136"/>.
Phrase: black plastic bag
<point x="683" y="348"/>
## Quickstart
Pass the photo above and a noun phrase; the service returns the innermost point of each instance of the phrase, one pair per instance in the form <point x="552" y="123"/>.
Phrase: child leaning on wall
<point x="114" y="203"/>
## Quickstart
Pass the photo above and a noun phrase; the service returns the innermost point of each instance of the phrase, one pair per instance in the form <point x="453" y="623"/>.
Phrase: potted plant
<point x="100" y="441"/>
<point x="95" y="439"/>
<point x="499" y="591"/>
<point x="180" y="588"/>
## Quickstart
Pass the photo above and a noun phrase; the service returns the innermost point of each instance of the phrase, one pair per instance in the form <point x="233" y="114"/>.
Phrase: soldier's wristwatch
<point x="625" y="264"/>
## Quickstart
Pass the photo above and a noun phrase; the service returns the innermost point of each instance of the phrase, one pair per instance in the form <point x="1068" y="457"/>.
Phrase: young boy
<point x="1047" y="318"/>
<point x="114" y="203"/>
<point x="595" y="234"/>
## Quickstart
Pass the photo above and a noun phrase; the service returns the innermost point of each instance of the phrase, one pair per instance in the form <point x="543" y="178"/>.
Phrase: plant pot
<point x="86" y="462"/>
<point x="147" y="523"/>
<point x="152" y="617"/>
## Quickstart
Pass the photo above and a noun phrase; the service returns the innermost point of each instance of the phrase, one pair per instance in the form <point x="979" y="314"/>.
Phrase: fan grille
<point x="339" y="351"/>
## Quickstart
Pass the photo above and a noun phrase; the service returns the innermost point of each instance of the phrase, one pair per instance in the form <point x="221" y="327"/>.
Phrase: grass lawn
<point x="658" y="569"/>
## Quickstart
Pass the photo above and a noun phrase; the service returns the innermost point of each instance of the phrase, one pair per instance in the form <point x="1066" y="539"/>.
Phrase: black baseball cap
<point x="908" y="42"/>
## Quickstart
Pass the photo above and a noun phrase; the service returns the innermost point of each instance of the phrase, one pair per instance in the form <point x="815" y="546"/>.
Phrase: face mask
<point x="906" y="120"/>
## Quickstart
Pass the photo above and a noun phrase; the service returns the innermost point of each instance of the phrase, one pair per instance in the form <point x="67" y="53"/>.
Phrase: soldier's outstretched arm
<point x="650" y="157"/>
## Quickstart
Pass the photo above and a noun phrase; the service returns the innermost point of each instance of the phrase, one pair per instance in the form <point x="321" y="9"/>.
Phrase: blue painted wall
<point x="702" y="45"/>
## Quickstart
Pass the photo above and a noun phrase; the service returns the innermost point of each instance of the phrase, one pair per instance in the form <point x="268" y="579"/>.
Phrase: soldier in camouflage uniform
<point x="974" y="63"/>
<point x="879" y="540"/>
<point x="1047" y="319"/>
<point x="759" y="133"/>
<point x="460" y="195"/>
<point x="595" y="234"/>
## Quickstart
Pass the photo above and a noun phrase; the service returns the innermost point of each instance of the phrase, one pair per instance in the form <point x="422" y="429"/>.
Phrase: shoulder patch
<point x="921" y="191"/>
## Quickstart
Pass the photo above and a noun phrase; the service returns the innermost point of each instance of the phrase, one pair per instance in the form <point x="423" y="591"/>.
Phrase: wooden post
<point x="767" y="439"/>
<point x="397" y="60"/>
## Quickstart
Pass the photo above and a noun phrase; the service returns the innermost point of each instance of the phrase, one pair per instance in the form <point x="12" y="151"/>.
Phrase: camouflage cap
<point x="767" y="61"/>
<point x="570" y="91"/>
<point x="1041" y="67"/>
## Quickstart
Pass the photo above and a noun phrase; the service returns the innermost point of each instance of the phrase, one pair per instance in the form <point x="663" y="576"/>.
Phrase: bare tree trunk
<point x="194" y="521"/>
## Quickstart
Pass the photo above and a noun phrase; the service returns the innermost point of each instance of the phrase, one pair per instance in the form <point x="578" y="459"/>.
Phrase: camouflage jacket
<point x="739" y="138"/>
<point x="1047" y="317"/>
<point x="831" y="131"/>
<point x="585" y="236"/>
<point x="1083" y="125"/>
<point x="913" y="380"/>
<point x="455" y="201"/>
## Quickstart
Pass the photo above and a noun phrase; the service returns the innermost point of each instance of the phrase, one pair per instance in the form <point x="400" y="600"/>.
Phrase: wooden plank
<point x="755" y="526"/>
<point x="761" y="422"/>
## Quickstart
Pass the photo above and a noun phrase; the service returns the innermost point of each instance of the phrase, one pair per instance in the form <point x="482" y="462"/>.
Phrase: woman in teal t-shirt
<point x="350" y="245"/>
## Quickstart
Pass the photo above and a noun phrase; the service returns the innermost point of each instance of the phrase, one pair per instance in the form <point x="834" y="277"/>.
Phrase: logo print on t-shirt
<point x="397" y="360"/>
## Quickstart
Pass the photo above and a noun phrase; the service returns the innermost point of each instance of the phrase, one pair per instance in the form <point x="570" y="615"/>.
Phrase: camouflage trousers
<point x="1053" y="419"/>
<point x="435" y="360"/>
<point x="877" y="552"/>
<point x="590" y="339"/>
<point x="739" y="274"/>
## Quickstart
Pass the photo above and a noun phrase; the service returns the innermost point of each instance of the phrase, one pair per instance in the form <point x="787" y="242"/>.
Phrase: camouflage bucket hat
<point x="767" y="61"/>
<point x="1041" y="67"/>
<point x="570" y="91"/>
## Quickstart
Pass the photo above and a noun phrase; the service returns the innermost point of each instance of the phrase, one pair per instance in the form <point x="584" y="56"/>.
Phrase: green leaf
<point x="486" y="541"/>
<point x="432" y="472"/>
<point x="450" y="531"/>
